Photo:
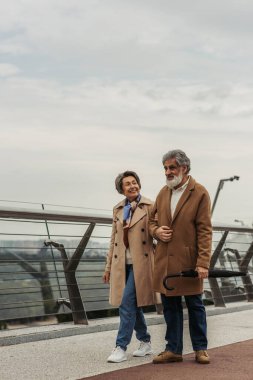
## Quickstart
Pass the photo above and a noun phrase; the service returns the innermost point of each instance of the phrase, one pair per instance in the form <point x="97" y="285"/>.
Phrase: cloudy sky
<point x="90" y="88"/>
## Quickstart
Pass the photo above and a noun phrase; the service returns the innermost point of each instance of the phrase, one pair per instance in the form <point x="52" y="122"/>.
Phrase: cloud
<point x="7" y="70"/>
<point x="152" y="105"/>
<point x="118" y="39"/>
<point x="88" y="88"/>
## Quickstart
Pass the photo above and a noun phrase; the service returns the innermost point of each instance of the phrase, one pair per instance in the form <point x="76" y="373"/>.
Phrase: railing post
<point x="52" y="253"/>
<point x="247" y="283"/>
<point x="43" y="279"/>
<point x="214" y="286"/>
<point x="70" y="266"/>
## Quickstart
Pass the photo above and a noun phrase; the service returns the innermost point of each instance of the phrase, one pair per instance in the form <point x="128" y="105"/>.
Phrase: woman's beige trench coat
<point x="191" y="240"/>
<point x="141" y="248"/>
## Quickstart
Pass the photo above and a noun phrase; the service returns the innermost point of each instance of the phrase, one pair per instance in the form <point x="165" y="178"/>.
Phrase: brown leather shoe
<point x="202" y="357"/>
<point x="167" y="357"/>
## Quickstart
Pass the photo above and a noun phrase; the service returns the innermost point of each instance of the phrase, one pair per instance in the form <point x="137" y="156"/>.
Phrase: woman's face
<point x="130" y="187"/>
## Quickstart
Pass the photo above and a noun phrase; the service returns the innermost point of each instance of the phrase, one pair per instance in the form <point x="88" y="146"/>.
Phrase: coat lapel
<point x="168" y="199"/>
<point x="140" y="211"/>
<point x="138" y="214"/>
<point x="119" y="213"/>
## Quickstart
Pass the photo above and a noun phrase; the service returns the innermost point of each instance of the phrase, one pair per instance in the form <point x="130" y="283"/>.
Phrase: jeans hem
<point x="123" y="348"/>
<point x="176" y="353"/>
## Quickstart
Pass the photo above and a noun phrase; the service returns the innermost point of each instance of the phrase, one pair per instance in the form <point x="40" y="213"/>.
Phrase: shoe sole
<point x="114" y="361"/>
<point x="141" y="356"/>
<point x="203" y="362"/>
<point x="168" y="361"/>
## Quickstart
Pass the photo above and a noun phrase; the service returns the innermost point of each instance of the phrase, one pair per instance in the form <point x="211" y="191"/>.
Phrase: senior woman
<point x="129" y="266"/>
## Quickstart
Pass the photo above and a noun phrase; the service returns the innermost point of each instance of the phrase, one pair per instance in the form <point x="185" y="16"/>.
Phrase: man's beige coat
<point x="191" y="241"/>
<point x="141" y="248"/>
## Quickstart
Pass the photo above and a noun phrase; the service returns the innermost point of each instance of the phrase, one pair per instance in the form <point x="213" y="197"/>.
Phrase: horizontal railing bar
<point x="19" y="213"/>
<point x="53" y="271"/>
<point x="51" y="278"/>
<point x="56" y="286"/>
<point x="105" y="286"/>
<point x="37" y="261"/>
<point x="77" y="273"/>
<point x="20" y="293"/>
<point x="35" y="302"/>
<point x="52" y="235"/>
<point x="35" y="306"/>
<point x="53" y="223"/>
<point x="38" y="291"/>
<point x="42" y="223"/>
<point x="44" y="248"/>
<point x="9" y="248"/>
<point x="10" y="220"/>
<point x="21" y="234"/>
<point x="30" y="317"/>
<point x="239" y="229"/>
<point x="53" y="205"/>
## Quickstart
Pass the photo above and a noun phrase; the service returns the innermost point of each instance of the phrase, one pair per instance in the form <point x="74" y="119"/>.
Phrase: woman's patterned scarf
<point x="128" y="211"/>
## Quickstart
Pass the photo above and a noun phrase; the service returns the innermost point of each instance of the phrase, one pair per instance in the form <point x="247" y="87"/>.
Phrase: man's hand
<point x="164" y="233"/>
<point x="203" y="272"/>
<point x="106" y="277"/>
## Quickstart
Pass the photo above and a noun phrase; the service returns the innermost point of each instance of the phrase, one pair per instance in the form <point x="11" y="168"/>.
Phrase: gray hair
<point x="121" y="176"/>
<point x="180" y="157"/>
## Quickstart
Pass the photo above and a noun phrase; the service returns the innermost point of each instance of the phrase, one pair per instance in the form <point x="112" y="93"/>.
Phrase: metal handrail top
<point x="24" y="213"/>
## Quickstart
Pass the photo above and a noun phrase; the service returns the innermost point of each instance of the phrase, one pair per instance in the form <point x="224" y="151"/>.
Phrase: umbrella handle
<point x="187" y="273"/>
<point x="166" y="279"/>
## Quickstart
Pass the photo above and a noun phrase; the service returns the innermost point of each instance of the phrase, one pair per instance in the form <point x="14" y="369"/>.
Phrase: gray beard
<point x="174" y="182"/>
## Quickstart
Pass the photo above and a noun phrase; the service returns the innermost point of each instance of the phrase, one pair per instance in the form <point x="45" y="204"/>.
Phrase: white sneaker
<point x="144" y="349"/>
<point x="118" y="355"/>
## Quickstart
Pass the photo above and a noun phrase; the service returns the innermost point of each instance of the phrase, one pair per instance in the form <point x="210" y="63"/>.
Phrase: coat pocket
<point x="189" y="258"/>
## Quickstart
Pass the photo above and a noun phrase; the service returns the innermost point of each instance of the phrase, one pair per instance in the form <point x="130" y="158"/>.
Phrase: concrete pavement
<point x="78" y="356"/>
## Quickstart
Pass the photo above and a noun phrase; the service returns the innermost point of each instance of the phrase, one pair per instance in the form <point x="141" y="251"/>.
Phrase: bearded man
<point x="181" y="223"/>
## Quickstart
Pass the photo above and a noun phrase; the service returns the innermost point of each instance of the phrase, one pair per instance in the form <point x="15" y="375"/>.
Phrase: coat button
<point x="116" y="244"/>
<point x="115" y="256"/>
<point x="143" y="229"/>
<point x="143" y="242"/>
<point x="146" y="254"/>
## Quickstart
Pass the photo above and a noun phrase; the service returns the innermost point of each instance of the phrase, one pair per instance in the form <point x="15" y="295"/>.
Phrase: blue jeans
<point x="173" y="314"/>
<point x="131" y="316"/>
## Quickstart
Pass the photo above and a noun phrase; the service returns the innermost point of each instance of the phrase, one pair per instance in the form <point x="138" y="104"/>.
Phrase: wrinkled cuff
<point x="108" y="268"/>
<point x="154" y="234"/>
<point x="203" y="264"/>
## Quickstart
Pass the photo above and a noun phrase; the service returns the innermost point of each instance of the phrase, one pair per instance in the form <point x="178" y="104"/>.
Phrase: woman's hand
<point x="106" y="277"/>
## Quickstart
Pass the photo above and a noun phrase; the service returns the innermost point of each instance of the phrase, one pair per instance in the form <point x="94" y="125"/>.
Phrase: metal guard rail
<point x="71" y="283"/>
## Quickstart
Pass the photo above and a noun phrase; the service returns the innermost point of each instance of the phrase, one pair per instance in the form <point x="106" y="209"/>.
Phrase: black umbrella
<point x="194" y="273"/>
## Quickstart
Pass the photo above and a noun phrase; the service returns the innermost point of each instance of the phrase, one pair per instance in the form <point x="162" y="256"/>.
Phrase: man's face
<point x="174" y="173"/>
